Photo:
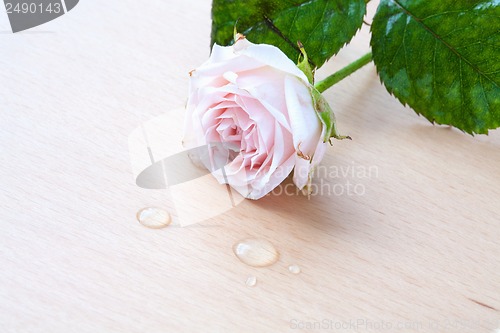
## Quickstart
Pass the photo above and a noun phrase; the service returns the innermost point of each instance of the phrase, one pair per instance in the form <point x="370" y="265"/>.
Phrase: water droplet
<point x="153" y="217"/>
<point x="294" y="269"/>
<point x="251" y="281"/>
<point x="256" y="252"/>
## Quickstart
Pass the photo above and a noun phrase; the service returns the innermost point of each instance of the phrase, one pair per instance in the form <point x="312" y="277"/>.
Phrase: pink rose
<point x="253" y="98"/>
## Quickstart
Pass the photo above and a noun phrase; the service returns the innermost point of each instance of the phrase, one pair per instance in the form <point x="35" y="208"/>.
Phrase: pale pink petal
<point x="276" y="178"/>
<point x="306" y="128"/>
<point x="271" y="56"/>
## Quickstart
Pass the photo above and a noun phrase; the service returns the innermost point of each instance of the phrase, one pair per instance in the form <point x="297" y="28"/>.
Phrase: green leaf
<point x="323" y="26"/>
<point x="442" y="58"/>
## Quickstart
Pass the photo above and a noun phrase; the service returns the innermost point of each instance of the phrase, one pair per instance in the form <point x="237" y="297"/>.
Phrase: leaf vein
<point x="452" y="49"/>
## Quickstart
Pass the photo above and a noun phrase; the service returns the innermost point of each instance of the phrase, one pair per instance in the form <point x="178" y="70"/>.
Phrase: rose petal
<point x="269" y="55"/>
<point x="306" y="128"/>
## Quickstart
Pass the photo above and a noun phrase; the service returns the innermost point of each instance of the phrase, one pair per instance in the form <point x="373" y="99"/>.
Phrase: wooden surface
<point x="416" y="252"/>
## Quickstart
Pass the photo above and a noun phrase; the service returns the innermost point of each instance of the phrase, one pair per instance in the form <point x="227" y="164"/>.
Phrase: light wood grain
<point x="419" y="247"/>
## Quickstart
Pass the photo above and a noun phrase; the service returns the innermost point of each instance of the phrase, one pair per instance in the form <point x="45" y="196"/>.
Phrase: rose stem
<point x="343" y="73"/>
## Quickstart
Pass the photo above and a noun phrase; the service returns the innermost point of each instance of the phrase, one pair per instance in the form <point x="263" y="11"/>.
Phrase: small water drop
<point x="256" y="252"/>
<point x="251" y="281"/>
<point x="294" y="269"/>
<point x="153" y="217"/>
